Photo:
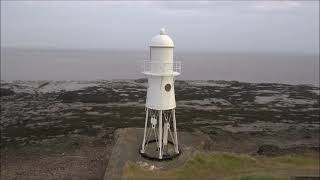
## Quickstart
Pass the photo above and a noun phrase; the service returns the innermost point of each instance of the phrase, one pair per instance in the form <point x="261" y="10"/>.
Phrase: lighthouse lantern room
<point x="160" y="141"/>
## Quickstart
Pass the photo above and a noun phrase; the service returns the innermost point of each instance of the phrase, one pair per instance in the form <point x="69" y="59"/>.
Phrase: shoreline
<point x="66" y="129"/>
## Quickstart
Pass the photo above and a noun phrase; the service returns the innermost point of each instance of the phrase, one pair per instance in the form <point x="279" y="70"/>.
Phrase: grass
<point x="256" y="177"/>
<point x="231" y="166"/>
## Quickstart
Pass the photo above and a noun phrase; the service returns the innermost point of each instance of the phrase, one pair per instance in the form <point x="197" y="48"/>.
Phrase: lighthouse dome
<point x="161" y="40"/>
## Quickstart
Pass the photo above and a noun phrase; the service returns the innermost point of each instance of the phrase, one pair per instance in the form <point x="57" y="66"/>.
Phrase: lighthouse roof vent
<point x="161" y="40"/>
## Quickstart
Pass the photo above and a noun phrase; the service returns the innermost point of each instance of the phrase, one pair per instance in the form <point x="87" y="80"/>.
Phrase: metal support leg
<point x="160" y="134"/>
<point x="145" y="132"/>
<point x="176" y="148"/>
<point x="165" y="133"/>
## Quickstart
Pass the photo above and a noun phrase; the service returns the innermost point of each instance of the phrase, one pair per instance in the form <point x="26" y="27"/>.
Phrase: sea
<point x="108" y="64"/>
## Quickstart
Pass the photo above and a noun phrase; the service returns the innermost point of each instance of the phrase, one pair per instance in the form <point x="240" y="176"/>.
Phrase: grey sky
<point x="281" y="26"/>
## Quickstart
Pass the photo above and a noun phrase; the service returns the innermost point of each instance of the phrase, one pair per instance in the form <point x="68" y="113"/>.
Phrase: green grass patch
<point x="231" y="166"/>
<point x="257" y="177"/>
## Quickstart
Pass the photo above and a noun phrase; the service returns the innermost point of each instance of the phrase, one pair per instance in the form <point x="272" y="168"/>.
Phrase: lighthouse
<point x="160" y="139"/>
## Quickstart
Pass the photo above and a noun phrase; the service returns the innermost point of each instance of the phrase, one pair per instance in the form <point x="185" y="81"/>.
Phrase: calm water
<point x="32" y="64"/>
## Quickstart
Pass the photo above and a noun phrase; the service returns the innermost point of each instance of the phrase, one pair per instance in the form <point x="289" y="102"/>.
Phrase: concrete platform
<point x="128" y="142"/>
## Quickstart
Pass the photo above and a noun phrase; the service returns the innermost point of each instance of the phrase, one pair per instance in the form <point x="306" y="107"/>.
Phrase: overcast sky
<point x="249" y="26"/>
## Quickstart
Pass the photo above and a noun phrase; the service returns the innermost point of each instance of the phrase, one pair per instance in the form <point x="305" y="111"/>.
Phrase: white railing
<point x="161" y="67"/>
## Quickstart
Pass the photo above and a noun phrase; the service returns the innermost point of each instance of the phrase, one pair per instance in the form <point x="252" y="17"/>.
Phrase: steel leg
<point x="160" y="134"/>
<point x="145" y="131"/>
<point x="175" y="131"/>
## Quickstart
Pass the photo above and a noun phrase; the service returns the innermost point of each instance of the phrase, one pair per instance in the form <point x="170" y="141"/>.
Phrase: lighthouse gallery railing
<point x="161" y="67"/>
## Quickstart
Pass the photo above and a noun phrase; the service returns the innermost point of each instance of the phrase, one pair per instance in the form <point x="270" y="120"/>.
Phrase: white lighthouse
<point x="160" y="139"/>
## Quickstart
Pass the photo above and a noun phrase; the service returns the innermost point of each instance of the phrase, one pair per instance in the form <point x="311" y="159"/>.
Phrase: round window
<point x="167" y="87"/>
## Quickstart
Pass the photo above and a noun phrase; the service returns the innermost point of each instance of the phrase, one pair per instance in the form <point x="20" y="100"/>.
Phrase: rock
<point x="151" y="167"/>
<point x="269" y="150"/>
<point x="6" y="92"/>
<point x="142" y="80"/>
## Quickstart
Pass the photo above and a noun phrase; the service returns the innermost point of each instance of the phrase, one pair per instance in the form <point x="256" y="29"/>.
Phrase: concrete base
<point x="128" y="142"/>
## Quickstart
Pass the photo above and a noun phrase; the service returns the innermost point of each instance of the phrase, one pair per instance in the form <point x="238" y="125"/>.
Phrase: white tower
<point x="160" y="119"/>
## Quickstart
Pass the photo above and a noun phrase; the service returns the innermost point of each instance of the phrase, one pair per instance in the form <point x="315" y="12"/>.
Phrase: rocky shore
<point x="62" y="129"/>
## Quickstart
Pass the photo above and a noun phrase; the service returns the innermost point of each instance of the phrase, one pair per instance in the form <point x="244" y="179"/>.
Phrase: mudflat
<point x="66" y="129"/>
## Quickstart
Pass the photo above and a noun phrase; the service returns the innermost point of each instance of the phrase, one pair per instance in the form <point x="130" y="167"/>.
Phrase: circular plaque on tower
<point x="167" y="87"/>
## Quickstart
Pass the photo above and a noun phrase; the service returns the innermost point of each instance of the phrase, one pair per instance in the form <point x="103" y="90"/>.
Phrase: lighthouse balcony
<point x="160" y="68"/>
